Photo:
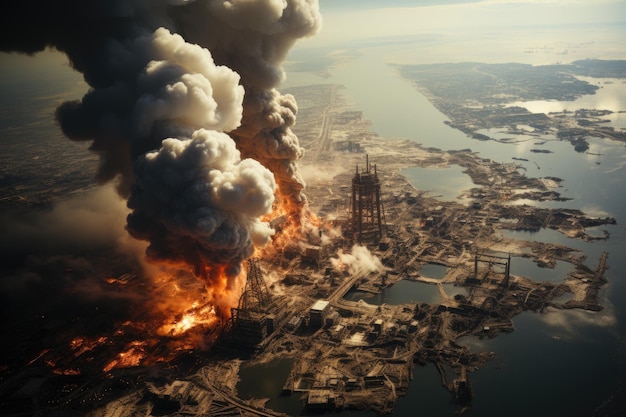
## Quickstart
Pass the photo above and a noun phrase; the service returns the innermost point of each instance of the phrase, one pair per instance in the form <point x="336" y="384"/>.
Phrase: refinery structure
<point x="366" y="211"/>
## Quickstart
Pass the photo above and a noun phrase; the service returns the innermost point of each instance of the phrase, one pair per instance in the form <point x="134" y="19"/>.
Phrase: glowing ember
<point x="184" y="314"/>
<point x="80" y="345"/>
<point x="40" y="355"/>
<point x="123" y="280"/>
<point x="129" y="358"/>
<point x="68" y="372"/>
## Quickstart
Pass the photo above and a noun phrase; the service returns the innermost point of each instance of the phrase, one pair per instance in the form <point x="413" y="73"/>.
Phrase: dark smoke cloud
<point x="176" y="89"/>
<point x="196" y="200"/>
<point x="54" y="260"/>
<point x="167" y="82"/>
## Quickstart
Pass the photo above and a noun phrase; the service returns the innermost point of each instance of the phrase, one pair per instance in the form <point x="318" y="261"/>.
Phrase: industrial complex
<point x="319" y="303"/>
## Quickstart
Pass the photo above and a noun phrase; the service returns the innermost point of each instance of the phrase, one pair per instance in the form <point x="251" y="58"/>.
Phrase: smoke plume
<point x="183" y="113"/>
<point x="361" y="262"/>
<point x="196" y="200"/>
<point x="253" y="38"/>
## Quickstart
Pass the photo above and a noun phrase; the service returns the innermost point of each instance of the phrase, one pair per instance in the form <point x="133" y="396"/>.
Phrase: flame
<point x="80" y="345"/>
<point x="183" y="313"/>
<point x="313" y="220"/>
<point x="287" y="231"/>
<point x="195" y="316"/>
<point x="186" y="307"/>
<point x="130" y="358"/>
<point x="292" y="230"/>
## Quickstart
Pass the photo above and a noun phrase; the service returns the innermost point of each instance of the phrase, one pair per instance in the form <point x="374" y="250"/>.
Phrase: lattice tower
<point x="256" y="296"/>
<point x="366" y="213"/>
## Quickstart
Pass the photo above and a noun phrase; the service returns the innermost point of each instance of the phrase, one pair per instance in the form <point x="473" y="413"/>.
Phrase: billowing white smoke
<point x="253" y="38"/>
<point x="182" y="85"/>
<point x="174" y="82"/>
<point x="361" y="262"/>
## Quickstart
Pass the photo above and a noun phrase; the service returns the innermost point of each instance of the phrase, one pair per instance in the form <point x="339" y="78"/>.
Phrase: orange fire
<point x="183" y="312"/>
<point x="194" y="316"/>
<point x="287" y="231"/>
<point x="80" y="345"/>
<point x="290" y="229"/>
<point x="129" y="358"/>
<point x="67" y="372"/>
<point x="187" y="307"/>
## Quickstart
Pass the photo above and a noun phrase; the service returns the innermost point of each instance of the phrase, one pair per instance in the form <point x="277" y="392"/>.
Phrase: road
<point x="203" y="381"/>
<point x="323" y="141"/>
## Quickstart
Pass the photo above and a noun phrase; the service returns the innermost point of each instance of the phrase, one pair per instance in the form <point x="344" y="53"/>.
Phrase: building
<point x="318" y="312"/>
<point x="321" y="400"/>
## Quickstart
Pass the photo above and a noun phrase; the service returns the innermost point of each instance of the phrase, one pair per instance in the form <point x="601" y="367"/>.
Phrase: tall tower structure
<point x="251" y="320"/>
<point x="256" y="296"/>
<point x="366" y="214"/>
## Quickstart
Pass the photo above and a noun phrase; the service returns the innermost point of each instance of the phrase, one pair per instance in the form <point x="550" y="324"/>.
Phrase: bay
<point x="555" y="363"/>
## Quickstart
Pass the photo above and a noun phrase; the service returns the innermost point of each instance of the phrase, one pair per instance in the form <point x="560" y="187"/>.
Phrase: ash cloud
<point x="182" y="111"/>
<point x="177" y="89"/>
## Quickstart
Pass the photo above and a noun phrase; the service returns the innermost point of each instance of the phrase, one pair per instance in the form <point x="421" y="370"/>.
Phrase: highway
<point x="323" y="141"/>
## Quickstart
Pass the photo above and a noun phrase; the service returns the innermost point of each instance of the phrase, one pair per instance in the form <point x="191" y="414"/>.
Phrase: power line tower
<point x="366" y="214"/>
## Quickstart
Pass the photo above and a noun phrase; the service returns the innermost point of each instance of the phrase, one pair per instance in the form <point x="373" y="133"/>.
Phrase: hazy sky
<point x="484" y="30"/>
<point x="354" y="19"/>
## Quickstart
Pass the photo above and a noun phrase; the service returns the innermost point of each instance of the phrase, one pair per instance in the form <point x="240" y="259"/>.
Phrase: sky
<point x="329" y="5"/>
<point x="346" y="20"/>
<point x="474" y="23"/>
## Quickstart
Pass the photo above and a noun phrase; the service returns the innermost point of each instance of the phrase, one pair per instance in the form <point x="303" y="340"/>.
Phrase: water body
<point x="611" y="95"/>
<point x="445" y="183"/>
<point x="266" y="380"/>
<point x="526" y="267"/>
<point x="592" y="249"/>
<point x="405" y="292"/>
<point x="538" y="367"/>
<point x="433" y="271"/>
<point x="559" y="362"/>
